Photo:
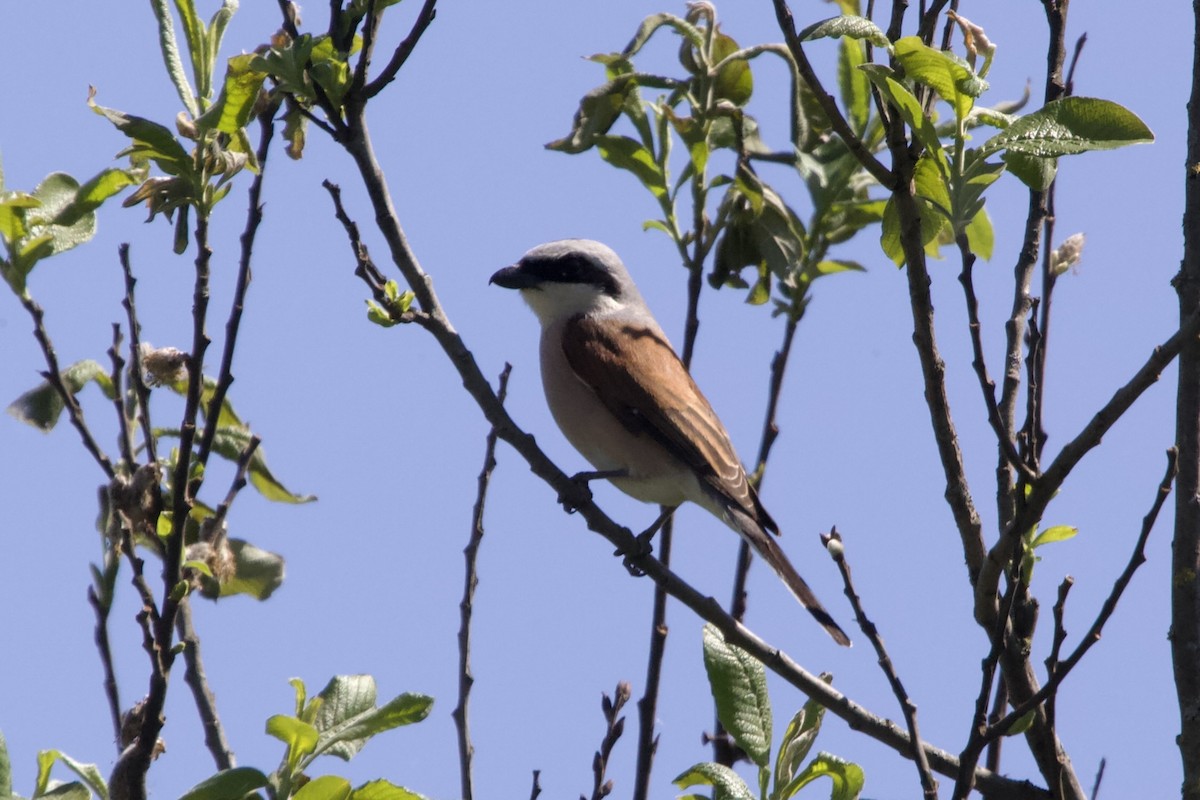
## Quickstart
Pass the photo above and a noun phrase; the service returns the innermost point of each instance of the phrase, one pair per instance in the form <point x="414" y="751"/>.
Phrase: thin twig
<point x="614" y="727"/>
<point x="1008" y="448"/>
<point x="999" y="704"/>
<point x="1060" y="636"/>
<point x="197" y="680"/>
<point x="403" y="50"/>
<point x="1099" y="777"/>
<point x="254" y="215"/>
<point x="111" y="692"/>
<point x="125" y="437"/>
<point x="137" y="372"/>
<point x="536" y="788"/>
<point x="1136" y="559"/>
<point x="929" y="784"/>
<point x="466" y="750"/>
<point x="53" y="376"/>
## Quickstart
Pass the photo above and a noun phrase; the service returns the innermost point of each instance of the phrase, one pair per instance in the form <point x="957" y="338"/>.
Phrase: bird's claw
<point x="580" y="479"/>
<point x="640" y="548"/>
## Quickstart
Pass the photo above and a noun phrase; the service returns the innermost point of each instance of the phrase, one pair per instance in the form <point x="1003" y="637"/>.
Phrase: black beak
<point x="513" y="278"/>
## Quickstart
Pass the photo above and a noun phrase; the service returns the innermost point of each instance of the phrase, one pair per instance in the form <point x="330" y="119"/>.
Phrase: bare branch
<point x="614" y="727"/>
<point x="929" y="784"/>
<point x="466" y="750"/>
<point x="137" y="373"/>
<point x="197" y="680"/>
<point x="254" y="209"/>
<point x="53" y="376"/>
<point x="403" y="50"/>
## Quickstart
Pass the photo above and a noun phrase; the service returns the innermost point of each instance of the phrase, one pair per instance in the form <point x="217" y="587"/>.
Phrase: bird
<point x="624" y="399"/>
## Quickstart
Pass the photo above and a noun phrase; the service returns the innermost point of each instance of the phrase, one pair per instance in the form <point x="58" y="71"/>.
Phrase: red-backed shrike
<point x="623" y="398"/>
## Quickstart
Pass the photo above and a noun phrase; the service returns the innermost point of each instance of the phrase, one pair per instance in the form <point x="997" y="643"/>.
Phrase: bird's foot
<point x="643" y="544"/>
<point x="581" y="480"/>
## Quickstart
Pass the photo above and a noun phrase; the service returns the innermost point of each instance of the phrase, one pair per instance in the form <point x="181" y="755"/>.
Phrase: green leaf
<point x="980" y="235"/>
<point x="90" y="774"/>
<point x="6" y="789"/>
<point x="68" y="791"/>
<point x="383" y="790"/>
<point x="727" y="784"/>
<point x="348" y="716"/>
<point x="228" y="784"/>
<point x="300" y="737"/>
<point x="1023" y="724"/>
<point x="235" y="105"/>
<point x="734" y="82"/>
<point x="945" y="73"/>
<point x="652" y="23"/>
<point x="899" y="97"/>
<point x="150" y="140"/>
<point x="256" y="572"/>
<point x="231" y="441"/>
<point x="847" y="777"/>
<point x="1036" y="173"/>
<point x="798" y="740"/>
<point x="1071" y="125"/>
<point x="849" y="26"/>
<point x="42" y="405"/>
<point x="598" y="110"/>
<point x="854" y="85"/>
<point x="1057" y="533"/>
<point x="326" y="787"/>
<point x="92" y="194"/>
<point x="739" y="687"/>
<point x="831" y="266"/>
<point x="629" y="154"/>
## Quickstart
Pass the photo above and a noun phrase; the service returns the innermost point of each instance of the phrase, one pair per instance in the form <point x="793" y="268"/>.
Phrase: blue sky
<point x="374" y="421"/>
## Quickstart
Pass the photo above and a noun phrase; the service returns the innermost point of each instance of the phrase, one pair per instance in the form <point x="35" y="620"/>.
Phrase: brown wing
<point x="641" y="380"/>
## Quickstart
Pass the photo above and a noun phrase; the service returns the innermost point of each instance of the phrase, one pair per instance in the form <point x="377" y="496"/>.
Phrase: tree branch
<point x="929" y="784"/>
<point x="466" y="750"/>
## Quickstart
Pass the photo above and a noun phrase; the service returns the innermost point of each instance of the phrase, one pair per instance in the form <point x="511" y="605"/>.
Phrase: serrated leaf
<point x="850" y="26"/>
<point x="944" y="72"/>
<point x="349" y="717"/>
<point x="384" y="790"/>
<point x="727" y="784"/>
<point x="42" y="405"/>
<point x="325" y="787"/>
<point x="228" y="784"/>
<point x="1071" y="125"/>
<point x="739" y="687"/>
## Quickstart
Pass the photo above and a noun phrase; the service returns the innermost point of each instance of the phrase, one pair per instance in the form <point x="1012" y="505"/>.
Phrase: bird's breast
<point x="653" y="474"/>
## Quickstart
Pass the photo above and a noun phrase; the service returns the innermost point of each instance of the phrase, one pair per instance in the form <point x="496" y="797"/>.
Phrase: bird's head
<point x="569" y="277"/>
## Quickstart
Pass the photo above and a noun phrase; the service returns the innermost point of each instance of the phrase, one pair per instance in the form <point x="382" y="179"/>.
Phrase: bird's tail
<point x="770" y="552"/>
